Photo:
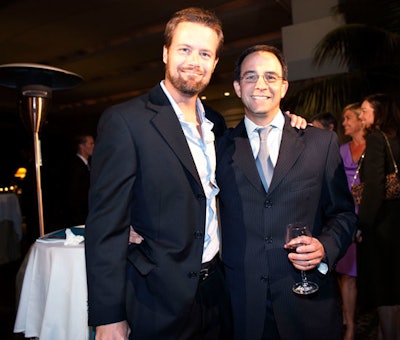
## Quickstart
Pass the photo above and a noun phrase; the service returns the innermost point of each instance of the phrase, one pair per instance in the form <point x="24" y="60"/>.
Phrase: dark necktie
<point x="263" y="160"/>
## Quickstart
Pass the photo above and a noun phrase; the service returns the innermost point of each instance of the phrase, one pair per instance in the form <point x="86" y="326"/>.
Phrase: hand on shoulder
<point x="296" y="121"/>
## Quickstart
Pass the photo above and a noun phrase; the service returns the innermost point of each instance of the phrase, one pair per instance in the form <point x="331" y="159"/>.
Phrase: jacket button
<point x="267" y="204"/>
<point x="268" y="240"/>
<point x="264" y="278"/>
<point x="192" y="275"/>
<point x="198" y="234"/>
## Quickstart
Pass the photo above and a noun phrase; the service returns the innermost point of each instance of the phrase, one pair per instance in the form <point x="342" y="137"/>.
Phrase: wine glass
<point x="295" y="230"/>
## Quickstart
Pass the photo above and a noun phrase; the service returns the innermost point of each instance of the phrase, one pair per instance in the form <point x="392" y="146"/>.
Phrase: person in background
<point x="325" y="120"/>
<point x="347" y="267"/>
<point x="79" y="179"/>
<point x="308" y="184"/>
<point x="378" y="256"/>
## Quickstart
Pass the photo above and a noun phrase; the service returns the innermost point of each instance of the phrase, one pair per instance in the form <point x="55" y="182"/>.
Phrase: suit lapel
<point x="167" y="124"/>
<point x="292" y="146"/>
<point x="243" y="156"/>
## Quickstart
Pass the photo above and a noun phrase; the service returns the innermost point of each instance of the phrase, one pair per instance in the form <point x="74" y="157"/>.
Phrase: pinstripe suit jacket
<point x="309" y="185"/>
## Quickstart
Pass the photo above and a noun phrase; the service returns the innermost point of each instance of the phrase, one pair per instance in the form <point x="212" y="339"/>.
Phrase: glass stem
<point x="304" y="278"/>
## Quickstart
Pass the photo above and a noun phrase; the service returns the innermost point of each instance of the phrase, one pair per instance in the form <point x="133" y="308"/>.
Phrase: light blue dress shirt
<point x="203" y="152"/>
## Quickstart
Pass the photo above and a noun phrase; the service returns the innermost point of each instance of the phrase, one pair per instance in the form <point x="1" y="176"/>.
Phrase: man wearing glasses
<point x="267" y="183"/>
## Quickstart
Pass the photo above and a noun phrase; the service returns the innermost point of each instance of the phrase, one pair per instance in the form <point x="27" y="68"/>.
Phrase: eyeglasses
<point x="252" y="77"/>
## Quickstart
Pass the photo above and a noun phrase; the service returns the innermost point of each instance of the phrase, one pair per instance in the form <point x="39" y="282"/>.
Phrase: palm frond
<point x="358" y="46"/>
<point x="368" y="46"/>
<point x="328" y="94"/>
<point x="384" y="14"/>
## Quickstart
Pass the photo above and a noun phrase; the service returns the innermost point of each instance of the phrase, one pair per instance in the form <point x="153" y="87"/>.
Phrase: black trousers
<point x="270" y="330"/>
<point x="210" y="317"/>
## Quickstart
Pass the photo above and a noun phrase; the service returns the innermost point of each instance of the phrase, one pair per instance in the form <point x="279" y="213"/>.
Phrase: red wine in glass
<point x="293" y="231"/>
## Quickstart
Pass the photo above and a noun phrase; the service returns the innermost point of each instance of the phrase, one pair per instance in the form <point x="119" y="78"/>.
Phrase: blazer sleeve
<point x="339" y="220"/>
<point x="107" y="226"/>
<point x="373" y="175"/>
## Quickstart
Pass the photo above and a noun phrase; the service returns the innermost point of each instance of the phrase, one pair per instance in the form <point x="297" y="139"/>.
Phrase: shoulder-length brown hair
<point x="386" y="113"/>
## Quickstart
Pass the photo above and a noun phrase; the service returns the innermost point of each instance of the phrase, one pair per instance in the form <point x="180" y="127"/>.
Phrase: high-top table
<point x="53" y="299"/>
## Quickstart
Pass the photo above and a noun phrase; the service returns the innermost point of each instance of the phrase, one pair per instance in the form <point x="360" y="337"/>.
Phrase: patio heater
<point x="36" y="83"/>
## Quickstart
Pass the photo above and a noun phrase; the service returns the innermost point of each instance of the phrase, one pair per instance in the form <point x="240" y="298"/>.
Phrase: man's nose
<point x="194" y="58"/>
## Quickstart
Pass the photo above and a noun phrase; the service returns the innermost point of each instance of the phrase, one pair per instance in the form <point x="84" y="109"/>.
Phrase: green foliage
<point x="307" y="98"/>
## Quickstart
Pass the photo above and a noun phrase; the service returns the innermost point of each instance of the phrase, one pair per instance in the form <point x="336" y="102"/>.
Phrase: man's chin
<point x="188" y="87"/>
<point x="190" y="93"/>
<point x="193" y="89"/>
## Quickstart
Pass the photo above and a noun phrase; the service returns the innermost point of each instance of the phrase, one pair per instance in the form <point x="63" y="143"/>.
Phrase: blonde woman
<point x="347" y="267"/>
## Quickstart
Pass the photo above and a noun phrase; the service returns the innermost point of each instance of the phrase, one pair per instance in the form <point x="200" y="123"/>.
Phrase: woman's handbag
<point x="392" y="185"/>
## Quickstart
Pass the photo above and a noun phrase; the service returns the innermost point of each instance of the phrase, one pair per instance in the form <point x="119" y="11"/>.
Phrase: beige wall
<point x="312" y="20"/>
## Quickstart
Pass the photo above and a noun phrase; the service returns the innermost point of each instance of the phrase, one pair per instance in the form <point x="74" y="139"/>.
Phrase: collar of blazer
<point x="167" y="124"/>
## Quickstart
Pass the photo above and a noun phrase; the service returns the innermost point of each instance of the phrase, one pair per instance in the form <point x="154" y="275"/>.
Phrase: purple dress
<point x="347" y="265"/>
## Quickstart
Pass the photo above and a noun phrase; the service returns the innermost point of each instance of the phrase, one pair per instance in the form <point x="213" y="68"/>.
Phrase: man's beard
<point x="187" y="87"/>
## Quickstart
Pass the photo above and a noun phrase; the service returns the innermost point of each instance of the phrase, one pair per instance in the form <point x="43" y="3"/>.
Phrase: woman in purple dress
<point x="346" y="267"/>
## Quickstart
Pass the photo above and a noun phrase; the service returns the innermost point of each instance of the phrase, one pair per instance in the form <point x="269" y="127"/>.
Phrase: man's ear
<point x="285" y="86"/>
<point x="237" y="88"/>
<point x="165" y="54"/>
<point x="215" y="64"/>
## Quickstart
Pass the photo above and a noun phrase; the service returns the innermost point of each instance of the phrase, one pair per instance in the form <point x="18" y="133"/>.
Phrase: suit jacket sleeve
<point x="107" y="226"/>
<point x="77" y="191"/>
<point x="373" y="176"/>
<point x="339" y="220"/>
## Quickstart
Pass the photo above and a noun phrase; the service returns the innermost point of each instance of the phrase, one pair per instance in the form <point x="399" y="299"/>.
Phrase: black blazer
<point x="309" y="185"/>
<point x="143" y="175"/>
<point x="77" y="191"/>
<point x="377" y="254"/>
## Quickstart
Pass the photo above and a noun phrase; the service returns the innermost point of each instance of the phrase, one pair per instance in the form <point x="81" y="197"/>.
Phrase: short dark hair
<point x="326" y="119"/>
<point x="194" y="15"/>
<point x="80" y="139"/>
<point x="262" y="48"/>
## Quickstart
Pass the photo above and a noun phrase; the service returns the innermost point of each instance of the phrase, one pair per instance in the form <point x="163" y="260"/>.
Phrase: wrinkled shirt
<point x="202" y="149"/>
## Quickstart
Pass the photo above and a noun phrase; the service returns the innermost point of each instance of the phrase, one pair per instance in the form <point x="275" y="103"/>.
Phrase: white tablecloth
<point x="10" y="227"/>
<point x="53" y="300"/>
